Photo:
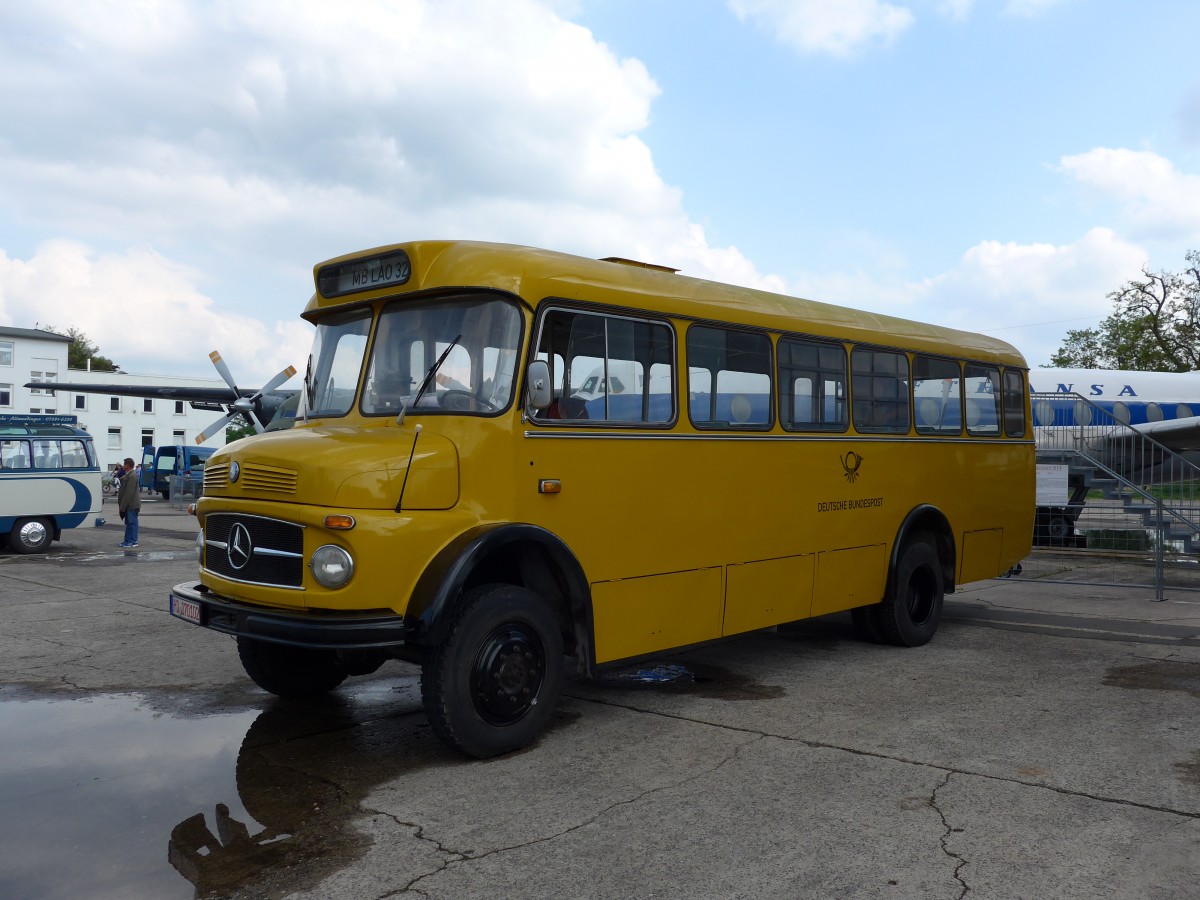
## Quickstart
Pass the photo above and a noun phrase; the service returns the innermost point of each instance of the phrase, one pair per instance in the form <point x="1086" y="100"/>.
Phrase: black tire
<point x="866" y="623"/>
<point x="1062" y="530"/>
<point x="909" y="615"/>
<point x="491" y="686"/>
<point x="31" y="535"/>
<point x="292" y="672"/>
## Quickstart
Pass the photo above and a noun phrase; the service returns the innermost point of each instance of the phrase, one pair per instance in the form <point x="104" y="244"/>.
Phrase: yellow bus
<point x="506" y="459"/>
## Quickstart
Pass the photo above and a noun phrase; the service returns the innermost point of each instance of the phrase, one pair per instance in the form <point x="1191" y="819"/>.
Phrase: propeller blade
<point x="224" y="372"/>
<point x="215" y="427"/>
<point x="277" y="381"/>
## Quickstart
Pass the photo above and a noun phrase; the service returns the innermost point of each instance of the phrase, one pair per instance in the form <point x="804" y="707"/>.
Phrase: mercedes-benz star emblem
<point x="234" y="471"/>
<point x="240" y="547"/>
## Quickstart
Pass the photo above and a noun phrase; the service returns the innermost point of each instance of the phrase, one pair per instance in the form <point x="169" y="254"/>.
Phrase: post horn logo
<point x="851" y="463"/>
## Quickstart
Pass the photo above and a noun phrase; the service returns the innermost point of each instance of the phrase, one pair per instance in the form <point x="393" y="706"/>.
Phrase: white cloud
<point x="1159" y="199"/>
<point x="1027" y="294"/>
<point x="817" y="26"/>
<point x="231" y="140"/>
<point x="140" y="306"/>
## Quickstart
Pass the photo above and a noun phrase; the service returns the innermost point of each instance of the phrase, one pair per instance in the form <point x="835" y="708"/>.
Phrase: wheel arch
<point x="518" y="554"/>
<point x="927" y="519"/>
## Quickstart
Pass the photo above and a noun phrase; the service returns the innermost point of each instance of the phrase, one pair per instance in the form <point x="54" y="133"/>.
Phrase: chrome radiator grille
<point x="254" y="549"/>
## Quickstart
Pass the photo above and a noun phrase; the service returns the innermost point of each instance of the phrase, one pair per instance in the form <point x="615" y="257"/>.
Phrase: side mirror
<point x="537" y="385"/>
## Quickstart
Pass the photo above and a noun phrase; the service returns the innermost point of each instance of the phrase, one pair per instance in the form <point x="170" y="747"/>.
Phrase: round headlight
<point x="200" y="547"/>
<point x="331" y="566"/>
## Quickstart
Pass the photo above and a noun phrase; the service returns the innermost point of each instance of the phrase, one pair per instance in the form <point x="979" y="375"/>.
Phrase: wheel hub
<point x="506" y="678"/>
<point x="33" y="534"/>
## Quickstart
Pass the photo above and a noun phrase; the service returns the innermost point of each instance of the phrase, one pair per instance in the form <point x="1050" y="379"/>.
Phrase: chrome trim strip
<point x="264" y="551"/>
<point x="814" y="438"/>
<point x="229" y="512"/>
<point x="282" y="587"/>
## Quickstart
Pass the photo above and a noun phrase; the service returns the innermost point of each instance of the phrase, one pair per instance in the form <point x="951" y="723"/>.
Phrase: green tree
<point x="80" y="350"/>
<point x="1155" y="326"/>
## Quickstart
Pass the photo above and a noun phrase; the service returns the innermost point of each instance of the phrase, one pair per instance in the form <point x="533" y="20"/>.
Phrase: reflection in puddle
<point x="91" y="787"/>
<point x="120" y="795"/>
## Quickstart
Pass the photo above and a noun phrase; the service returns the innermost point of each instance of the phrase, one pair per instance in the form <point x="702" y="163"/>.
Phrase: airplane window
<point x="1044" y="412"/>
<point x="1183" y="411"/>
<point x="1154" y="412"/>
<point x="1121" y="412"/>
<point x="1083" y="413"/>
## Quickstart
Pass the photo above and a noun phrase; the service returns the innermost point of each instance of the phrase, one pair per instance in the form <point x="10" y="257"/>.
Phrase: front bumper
<point x="194" y="603"/>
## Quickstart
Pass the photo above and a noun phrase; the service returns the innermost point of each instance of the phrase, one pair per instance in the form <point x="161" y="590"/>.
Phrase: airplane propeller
<point x="246" y="407"/>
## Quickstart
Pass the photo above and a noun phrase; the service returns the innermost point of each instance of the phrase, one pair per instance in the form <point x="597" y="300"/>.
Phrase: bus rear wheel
<point x="31" y="536"/>
<point x="910" y="613"/>
<point x="290" y="672"/>
<point x="491" y="686"/>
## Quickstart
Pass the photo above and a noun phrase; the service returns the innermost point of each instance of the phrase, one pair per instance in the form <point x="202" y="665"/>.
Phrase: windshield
<point x="336" y="359"/>
<point x="483" y="338"/>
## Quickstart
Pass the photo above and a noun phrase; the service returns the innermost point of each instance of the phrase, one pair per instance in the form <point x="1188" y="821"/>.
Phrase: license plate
<point x="188" y="610"/>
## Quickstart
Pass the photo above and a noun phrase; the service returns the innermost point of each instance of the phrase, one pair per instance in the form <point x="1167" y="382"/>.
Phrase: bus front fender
<point x="510" y="553"/>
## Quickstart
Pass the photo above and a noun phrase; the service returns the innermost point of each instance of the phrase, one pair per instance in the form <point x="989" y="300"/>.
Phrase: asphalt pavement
<point x="1045" y="744"/>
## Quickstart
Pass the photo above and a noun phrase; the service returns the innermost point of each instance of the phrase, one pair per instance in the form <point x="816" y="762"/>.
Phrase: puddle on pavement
<point x="1189" y="772"/>
<point x="699" y="679"/>
<point x="125" y="795"/>
<point x="1160" y="675"/>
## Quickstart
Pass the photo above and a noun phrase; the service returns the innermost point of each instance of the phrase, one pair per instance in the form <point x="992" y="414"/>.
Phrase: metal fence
<point x="1131" y="515"/>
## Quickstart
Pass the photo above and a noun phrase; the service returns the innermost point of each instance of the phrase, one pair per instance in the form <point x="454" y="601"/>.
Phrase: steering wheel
<point x="465" y="401"/>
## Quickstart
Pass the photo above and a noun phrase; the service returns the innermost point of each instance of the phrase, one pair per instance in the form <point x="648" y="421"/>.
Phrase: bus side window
<point x="1014" y="403"/>
<point x="607" y="368"/>
<point x="812" y="385"/>
<point x="15" y="454"/>
<point x="879" y="390"/>
<point x="937" y="395"/>
<point x="729" y="378"/>
<point x="983" y="400"/>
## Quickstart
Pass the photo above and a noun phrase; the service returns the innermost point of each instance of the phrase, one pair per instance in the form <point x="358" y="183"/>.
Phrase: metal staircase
<point x="1147" y="491"/>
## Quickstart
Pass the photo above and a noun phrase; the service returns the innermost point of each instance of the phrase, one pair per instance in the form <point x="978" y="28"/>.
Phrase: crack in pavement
<point x="933" y="801"/>
<point x="464" y="857"/>
<point x="874" y="754"/>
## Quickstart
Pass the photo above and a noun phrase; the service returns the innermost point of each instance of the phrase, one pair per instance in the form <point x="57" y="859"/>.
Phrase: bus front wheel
<point x="291" y="672"/>
<point x="31" y="536"/>
<point x="910" y="613"/>
<point x="491" y="686"/>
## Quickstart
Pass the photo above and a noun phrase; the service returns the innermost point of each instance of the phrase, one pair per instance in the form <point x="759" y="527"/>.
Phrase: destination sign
<point x="364" y="274"/>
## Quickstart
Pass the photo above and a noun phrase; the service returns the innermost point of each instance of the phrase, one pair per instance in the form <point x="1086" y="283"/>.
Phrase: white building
<point x="121" y="425"/>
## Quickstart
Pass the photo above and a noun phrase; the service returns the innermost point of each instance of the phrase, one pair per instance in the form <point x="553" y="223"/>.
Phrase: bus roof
<point x="540" y="276"/>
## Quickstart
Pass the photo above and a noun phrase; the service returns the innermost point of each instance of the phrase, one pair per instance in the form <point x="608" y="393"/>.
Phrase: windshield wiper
<point x="428" y="379"/>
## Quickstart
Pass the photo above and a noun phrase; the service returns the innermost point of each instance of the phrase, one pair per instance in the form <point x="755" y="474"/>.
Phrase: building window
<point x="6" y="354"/>
<point x="114" y="439"/>
<point x="147" y="405"/>
<point x="179" y="407"/>
<point x="6" y="395"/>
<point x="114" y="404"/>
<point x="147" y="437"/>
<point x="81" y="402"/>
<point x="178" y="437"/>
<point x="42" y="377"/>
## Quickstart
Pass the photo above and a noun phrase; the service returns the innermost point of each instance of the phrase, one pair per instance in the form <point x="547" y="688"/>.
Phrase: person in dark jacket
<point x="129" y="505"/>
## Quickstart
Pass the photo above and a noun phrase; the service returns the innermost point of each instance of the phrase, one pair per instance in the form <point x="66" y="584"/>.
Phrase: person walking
<point x="129" y="505"/>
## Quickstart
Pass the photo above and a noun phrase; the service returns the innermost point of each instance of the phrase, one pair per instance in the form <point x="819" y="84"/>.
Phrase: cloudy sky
<point x="170" y="170"/>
